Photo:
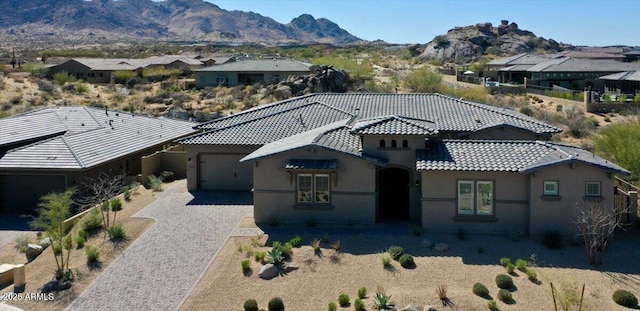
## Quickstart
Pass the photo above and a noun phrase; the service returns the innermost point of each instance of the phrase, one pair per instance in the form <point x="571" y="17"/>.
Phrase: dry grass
<point x="40" y="271"/>
<point x="319" y="280"/>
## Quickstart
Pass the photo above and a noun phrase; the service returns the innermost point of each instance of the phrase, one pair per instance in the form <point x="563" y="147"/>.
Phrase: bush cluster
<point x="406" y="261"/>
<point x="480" y="290"/>
<point x="625" y="298"/>
<point x="504" y="281"/>
<point x="505" y="296"/>
<point x="116" y="233"/>
<point x="343" y="300"/>
<point x="251" y="305"/>
<point x="276" y="304"/>
<point x="395" y="252"/>
<point x="93" y="255"/>
<point x="296" y="241"/>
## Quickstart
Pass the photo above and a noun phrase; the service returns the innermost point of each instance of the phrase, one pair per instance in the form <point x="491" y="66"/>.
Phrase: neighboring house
<point x="574" y="73"/>
<point x="96" y="70"/>
<point x="56" y="148"/>
<point x="360" y="158"/>
<point x="247" y="72"/>
<point x="626" y="82"/>
<point x="513" y="69"/>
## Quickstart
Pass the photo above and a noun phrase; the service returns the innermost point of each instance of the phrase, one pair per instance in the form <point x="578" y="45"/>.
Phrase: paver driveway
<point x="159" y="270"/>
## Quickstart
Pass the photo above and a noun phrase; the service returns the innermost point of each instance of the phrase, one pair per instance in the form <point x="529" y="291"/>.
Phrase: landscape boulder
<point x="268" y="271"/>
<point x="409" y="307"/>
<point x="290" y="267"/>
<point x="33" y="251"/>
<point x="429" y="308"/>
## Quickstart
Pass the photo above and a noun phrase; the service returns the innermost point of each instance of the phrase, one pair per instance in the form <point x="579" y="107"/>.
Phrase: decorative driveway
<point x="161" y="268"/>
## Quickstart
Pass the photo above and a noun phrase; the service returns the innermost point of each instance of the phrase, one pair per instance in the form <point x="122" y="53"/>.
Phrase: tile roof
<point x="520" y="59"/>
<point x="623" y="76"/>
<point x="582" y="65"/>
<point x="446" y="114"/>
<point x="504" y="156"/>
<point x="314" y="164"/>
<point x="25" y="128"/>
<point x="103" y="137"/>
<point x="393" y="125"/>
<point x="261" y="65"/>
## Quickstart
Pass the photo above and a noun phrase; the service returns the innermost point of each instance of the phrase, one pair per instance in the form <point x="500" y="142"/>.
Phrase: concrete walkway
<point x="160" y="269"/>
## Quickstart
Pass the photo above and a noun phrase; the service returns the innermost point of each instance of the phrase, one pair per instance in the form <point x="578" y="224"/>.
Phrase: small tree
<point x="595" y="225"/>
<point x="53" y="210"/>
<point x="116" y="205"/>
<point x="99" y="190"/>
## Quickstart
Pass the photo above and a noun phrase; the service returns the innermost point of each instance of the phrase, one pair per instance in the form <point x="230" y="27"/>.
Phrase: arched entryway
<point x="393" y="193"/>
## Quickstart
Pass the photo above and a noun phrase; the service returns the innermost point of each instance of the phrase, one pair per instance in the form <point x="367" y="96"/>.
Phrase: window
<point x="475" y="197"/>
<point x="593" y="189"/>
<point x="313" y="188"/>
<point x="550" y="187"/>
<point x="405" y="144"/>
<point x="382" y="143"/>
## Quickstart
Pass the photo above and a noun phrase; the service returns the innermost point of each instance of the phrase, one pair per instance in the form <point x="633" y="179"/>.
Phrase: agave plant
<point x="275" y="256"/>
<point x="383" y="302"/>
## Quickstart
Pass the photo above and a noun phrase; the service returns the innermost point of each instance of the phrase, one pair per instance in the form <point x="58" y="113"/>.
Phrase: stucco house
<point x="626" y="82"/>
<point x="249" y="72"/>
<point x="361" y="158"/>
<point x="54" y="148"/>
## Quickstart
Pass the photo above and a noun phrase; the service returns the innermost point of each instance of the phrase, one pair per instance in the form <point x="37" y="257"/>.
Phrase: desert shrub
<point x="275" y="256"/>
<point x="577" y="122"/>
<point x="276" y="304"/>
<point x="492" y="305"/>
<point x="45" y="86"/>
<point x="155" y="183"/>
<point x="116" y="204"/>
<point x="15" y="100"/>
<point x="636" y="99"/>
<point x="92" y="221"/>
<point x="526" y="111"/>
<point x="480" y="290"/>
<point x="167" y="176"/>
<point x="57" y="249"/>
<point x="510" y="267"/>
<point x="504" y="261"/>
<point x="296" y="241"/>
<point x="246" y="266"/>
<point x="362" y="292"/>
<point x="625" y="298"/>
<point x="395" y="252"/>
<point x="93" y="255"/>
<point x="158" y="97"/>
<point x="505" y="296"/>
<point x="504" y="281"/>
<point x="129" y="190"/>
<point x="406" y="261"/>
<point x="22" y="242"/>
<point x="332" y="306"/>
<point x="260" y="256"/>
<point x="285" y="249"/>
<point x="358" y="305"/>
<point x="62" y="77"/>
<point x="116" y="233"/>
<point x="315" y="244"/>
<point x="355" y="70"/>
<point x="620" y="142"/>
<point x="423" y="80"/>
<point x="343" y="300"/>
<point x="521" y="264"/>
<point x="532" y="275"/>
<point x="122" y="76"/>
<point x="552" y="240"/>
<point x="386" y="260"/>
<point x="80" y="241"/>
<point x="81" y="87"/>
<point x="607" y="119"/>
<point x="559" y="108"/>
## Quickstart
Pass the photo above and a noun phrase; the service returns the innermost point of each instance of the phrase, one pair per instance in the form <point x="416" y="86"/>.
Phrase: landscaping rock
<point x="291" y="267"/>
<point x="33" y="251"/>
<point x="426" y="243"/>
<point x="268" y="271"/>
<point x="429" y="308"/>
<point x="409" y="307"/>
<point x="49" y="287"/>
<point x="441" y="247"/>
<point x="45" y="242"/>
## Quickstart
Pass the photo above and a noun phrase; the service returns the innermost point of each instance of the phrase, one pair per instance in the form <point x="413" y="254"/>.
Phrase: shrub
<point x="57" y="249"/>
<point x="22" y="242"/>
<point x="81" y="87"/>
<point x="382" y="301"/>
<point x="80" y="241"/>
<point x="552" y="240"/>
<point x="332" y="306"/>
<point x="275" y="256"/>
<point x="559" y="108"/>
<point x="116" y="233"/>
<point x="423" y="80"/>
<point x="62" y="77"/>
<point x="260" y="256"/>
<point x="625" y="298"/>
<point x="92" y="221"/>
<point x="492" y="305"/>
<point x="358" y="305"/>
<point x="45" y="86"/>
<point x="532" y="275"/>
<point x="276" y="304"/>
<point x="343" y="300"/>
<point x="155" y="183"/>
<point x="386" y="260"/>
<point x="285" y="250"/>
<point x="505" y="296"/>
<point x="93" y="255"/>
<point x="167" y="176"/>
<point x="122" y="76"/>
<point x="521" y="264"/>
<point x="406" y="261"/>
<point x="621" y="142"/>
<point x="246" y="266"/>
<point x="296" y="241"/>
<point x="315" y="244"/>
<point x="362" y="292"/>
<point x="526" y="111"/>
<point x="395" y="252"/>
<point x="504" y="281"/>
<point x="116" y="205"/>
<point x="480" y="290"/>
<point x="504" y="261"/>
<point x="510" y="267"/>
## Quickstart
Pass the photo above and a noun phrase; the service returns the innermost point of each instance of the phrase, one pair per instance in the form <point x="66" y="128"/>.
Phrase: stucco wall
<point x="559" y="214"/>
<point x="439" y="202"/>
<point x="353" y="198"/>
<point x="208" y="78"/>
<point x="228" y="172"/>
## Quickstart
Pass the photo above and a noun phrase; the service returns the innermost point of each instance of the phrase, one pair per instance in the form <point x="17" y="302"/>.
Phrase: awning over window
<point x="301" y="164"/>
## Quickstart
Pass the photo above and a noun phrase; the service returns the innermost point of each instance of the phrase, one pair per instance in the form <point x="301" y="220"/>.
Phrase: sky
<point x="583" y="22"/>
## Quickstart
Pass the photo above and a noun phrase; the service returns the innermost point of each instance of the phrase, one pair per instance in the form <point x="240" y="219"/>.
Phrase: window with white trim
<point x="475" y="197"/>
<point x="550" y="187"/>
<point x="313" y="188"/>
<point x="592" y="189"/>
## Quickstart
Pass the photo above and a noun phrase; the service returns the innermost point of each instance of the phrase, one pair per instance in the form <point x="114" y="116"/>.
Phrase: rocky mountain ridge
<point x="169" y="20"/>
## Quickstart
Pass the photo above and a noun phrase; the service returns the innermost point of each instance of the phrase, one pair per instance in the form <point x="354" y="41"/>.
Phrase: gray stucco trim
<point x="352" y="193"/>
<point x="439" y="199"/>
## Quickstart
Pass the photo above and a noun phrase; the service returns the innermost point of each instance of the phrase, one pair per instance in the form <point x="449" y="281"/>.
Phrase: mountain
<point x="169" y="20"/>
<point x="471" y="42"/>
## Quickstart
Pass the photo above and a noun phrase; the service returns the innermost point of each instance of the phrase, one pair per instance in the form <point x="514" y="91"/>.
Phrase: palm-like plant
<point x="382" y="301"/>
<point x="275" y="256"/>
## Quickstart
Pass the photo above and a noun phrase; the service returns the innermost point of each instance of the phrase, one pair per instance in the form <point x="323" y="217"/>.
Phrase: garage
<point x="20" y="194"/>
<point x="223" y="171"/>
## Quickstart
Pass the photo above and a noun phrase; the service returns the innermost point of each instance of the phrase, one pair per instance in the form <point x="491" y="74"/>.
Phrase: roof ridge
<point x="73" y="152"/>
<point x="92" y="116"/>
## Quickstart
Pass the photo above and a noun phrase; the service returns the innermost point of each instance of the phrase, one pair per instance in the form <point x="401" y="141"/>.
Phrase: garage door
<point x="219" y="171"/>
<point x="21" y="193"/>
